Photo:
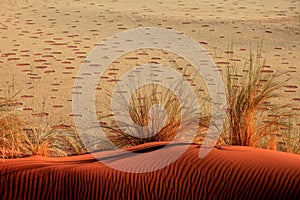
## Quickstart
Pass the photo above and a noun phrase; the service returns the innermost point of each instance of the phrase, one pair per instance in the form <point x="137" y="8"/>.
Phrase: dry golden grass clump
<point x="53" y="141"/>
<point x="254" y="115"/>
<point x="17" y="140"/>
<point x="12" y="138"/>
<point x="163" y="127"/>
<point x="168" y="127"/>
<point x="11" y="134"/>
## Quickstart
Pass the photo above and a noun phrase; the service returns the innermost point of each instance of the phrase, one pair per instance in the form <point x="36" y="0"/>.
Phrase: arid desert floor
<point x="44" y="43"/>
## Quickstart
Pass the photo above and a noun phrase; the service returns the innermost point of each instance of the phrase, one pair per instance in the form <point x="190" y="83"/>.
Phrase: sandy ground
<point x="43" y="43"/>
<point x="227" y="173"/>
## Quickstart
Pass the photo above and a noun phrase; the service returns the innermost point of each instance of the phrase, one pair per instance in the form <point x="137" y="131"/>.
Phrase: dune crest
<point x="228" y="173"/>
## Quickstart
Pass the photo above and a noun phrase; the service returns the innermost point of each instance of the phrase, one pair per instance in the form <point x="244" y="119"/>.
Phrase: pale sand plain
<point x="43" y="43"/>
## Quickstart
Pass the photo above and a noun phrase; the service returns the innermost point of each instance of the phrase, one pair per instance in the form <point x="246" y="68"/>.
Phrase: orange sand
<point x="227" y="173"/>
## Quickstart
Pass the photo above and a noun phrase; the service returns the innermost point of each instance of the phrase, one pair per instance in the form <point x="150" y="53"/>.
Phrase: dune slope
<point x="227" y="173"/>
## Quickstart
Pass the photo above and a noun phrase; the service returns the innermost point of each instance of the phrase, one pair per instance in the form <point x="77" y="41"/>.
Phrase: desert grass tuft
<point x="162" y="127"/>
<point x="253" y="116"/>
<point x="48" y="139"/>
<point x="17" y="140"/>
<point x="12" y="138"/>
<point x="53" y="141"/>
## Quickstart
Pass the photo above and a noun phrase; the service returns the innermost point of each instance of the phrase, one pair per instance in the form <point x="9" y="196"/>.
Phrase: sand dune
<point x="227" y="173"/>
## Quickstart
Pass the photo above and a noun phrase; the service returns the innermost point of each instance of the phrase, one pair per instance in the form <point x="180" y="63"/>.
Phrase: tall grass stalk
<point x="47" y="139"/>
<point x="253" y="116"/>
<point x="11" y="136"/>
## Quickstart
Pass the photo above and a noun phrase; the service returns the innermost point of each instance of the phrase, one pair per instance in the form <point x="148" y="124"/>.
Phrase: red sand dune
<point x="227" y="173"/>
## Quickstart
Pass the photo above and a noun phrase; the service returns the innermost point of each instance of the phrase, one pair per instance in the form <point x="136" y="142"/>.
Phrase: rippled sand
<point x="227" y="173"/>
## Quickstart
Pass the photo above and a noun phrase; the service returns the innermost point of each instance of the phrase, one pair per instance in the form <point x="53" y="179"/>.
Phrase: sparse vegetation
<point x="160" y="127"/>
<point x="47" y="139"/>
<point x="254" y="115"/>
<point x="17" y="140"/>
<point x="290" y="140"/>
<point x="12" y="138"/>
<point x="53" y="141"/>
